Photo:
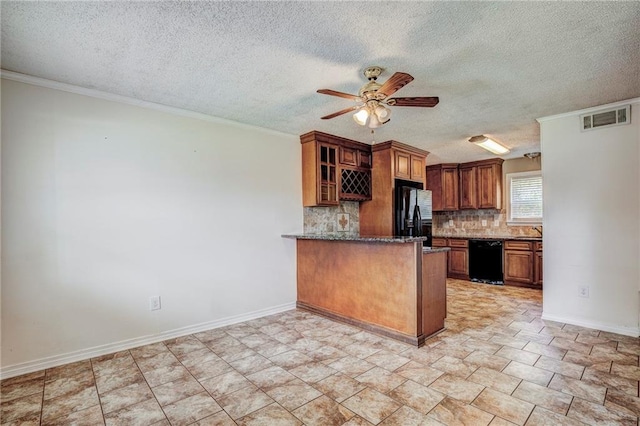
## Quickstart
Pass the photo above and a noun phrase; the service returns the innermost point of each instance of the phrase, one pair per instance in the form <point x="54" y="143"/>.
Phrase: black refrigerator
<point x="413" y="215"/>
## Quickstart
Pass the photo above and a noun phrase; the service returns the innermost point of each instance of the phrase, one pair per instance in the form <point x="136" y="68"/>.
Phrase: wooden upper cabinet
<point x="403" y="165"/>
<point x="391" y="160"/>
<point x="442" y="181"/>
<point x="332" y="170"/>
<point x="481" y="184"/>
<point x="468" y="188"/>
<point x="417" y="168"/>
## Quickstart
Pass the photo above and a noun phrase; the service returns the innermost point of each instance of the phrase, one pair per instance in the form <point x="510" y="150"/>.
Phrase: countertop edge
<point x="331" y="237"/>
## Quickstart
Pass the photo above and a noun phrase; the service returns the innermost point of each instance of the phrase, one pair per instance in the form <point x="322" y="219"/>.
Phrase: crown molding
<point x="99" y="94"/>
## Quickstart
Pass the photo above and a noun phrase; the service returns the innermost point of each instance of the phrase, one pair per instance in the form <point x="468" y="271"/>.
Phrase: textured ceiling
<point x="496" y="66"/>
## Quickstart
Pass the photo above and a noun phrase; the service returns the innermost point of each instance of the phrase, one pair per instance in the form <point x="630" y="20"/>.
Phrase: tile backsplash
<point x="326" y="220"/>
<point x="470" y="223"/>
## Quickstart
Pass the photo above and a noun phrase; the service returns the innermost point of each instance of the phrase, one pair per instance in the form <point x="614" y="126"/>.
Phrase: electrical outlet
<point x="450" y="222"/>
<point x="583" y="291"/>
<point x="484" y="222"/>
<point x="154" y="303"/>
<point x="496" y="223"/>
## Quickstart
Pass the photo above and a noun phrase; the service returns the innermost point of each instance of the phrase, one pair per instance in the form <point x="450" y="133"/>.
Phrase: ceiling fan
<point x="373" y="98"/>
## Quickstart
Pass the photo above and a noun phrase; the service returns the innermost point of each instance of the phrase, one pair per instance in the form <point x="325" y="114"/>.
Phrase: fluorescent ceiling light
<point x="489" y="144"/>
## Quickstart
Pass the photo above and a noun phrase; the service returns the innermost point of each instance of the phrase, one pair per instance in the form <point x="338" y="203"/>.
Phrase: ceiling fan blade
<point x="396" y="82"/>
<point x="339" y="94"/>
<point x="342" y="111"/>
<point x="414" y="102"/>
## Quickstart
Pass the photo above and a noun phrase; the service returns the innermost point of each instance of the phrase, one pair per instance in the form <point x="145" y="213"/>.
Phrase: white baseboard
<point x="57" y="360"/>
<point x="626" y="331"/>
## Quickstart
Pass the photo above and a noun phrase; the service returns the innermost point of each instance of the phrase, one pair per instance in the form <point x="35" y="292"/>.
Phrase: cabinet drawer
<point x="518" y="245"/>
<point x="348" y="156"/>
<point x="438" y="242"/>
<point x="537" y="246"/>
<point x="458" y="243"/>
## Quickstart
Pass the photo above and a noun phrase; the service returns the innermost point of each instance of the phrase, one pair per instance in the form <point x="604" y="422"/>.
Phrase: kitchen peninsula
<point x="388" y="285"/>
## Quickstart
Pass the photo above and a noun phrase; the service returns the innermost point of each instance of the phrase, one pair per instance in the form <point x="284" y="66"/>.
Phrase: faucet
<point x="539" y="229"/>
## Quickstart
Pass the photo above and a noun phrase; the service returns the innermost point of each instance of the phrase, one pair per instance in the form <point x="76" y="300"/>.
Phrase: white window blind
<point x="525" y="190"/>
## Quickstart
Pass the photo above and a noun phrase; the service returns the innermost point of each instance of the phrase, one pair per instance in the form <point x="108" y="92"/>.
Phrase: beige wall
<point x="105" y="204"/>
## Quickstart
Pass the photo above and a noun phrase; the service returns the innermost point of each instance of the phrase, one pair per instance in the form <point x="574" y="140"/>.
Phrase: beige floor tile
<point x="210" y="368"/>
<point x="166" y="374"/>
<point x="225" y="384"/>
<point x="68" y="370"/>
<point x="351" y="365"/>
<point x="419" y="373"/>
<point x="323" y="411"/>
<point x="568" y="344"/>
<point x="125" y="396"/>
<point x="66" y="404"/>
<point x="512" y="342"/>
<point x="495" y="380"/>
<point x="91" y="416"/>
<point x="272" y="414"/>
<point x="482" y="359"/>
<point x="160" y="360"/>
<point x="454" y="366"/>
<point x="612" y="381"/>
<point x="529" y="373"/>
<point x="543" y="417"/>
<point x="339" y="387"/>
<point x="546" y="350"/>
<point x="184" y="345"/>
<point x="544" y="397"/>
<point x="503" y="406"/>
<point x="193" y="408"/>
<point x="473" y="344"/>
<point x="568" y="369"/>
<point x="119" y="379"/>
<point x="251" y="364"/>
<point x="68" y="385"/>
<point x="143" y="413"/>
<point x="628" y="371"/>
<point x="457" y="387"/>
<point x="291" y="359"/>
<point x="371" y="405"/>
<point x="147" y="351"/>
<point x="380" y="379"/>
<point x="270" y="377"/>
<point x="405" y="416"/>
<point x="579" y="388"/>
<point x="20" y="389"/>
<point x="451" y="411"/>
<point x="622" y="402"/>
<point x="416" y="396"/>
<point x="27" y="409"/>
<point x="522" y="356"/>
<point x="387" y="360"/>
<point x="293" y="394"/>
<point x="597" y="414"/>
<point x="312" y="372"/>
<point x="109" y="364"/>
<point x="244" y="401"/>
<point x="219" y="419"/>
<point x="177" y="390"/>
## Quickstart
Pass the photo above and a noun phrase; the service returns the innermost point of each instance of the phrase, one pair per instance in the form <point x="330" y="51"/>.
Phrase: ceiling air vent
<point x="606" y="118"/>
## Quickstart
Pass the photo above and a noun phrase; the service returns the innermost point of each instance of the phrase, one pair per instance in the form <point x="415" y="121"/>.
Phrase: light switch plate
<point x="450" y="222"/>
<point x="484" y="222"/>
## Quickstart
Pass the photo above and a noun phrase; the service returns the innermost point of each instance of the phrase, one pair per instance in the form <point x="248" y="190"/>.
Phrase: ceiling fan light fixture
<point x="489" y="144"/>
<point x="383" y="113"/>
<point x="361" y="116"/>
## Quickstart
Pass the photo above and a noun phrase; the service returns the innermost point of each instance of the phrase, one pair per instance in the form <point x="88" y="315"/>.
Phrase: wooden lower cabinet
<point x="458" y="263"/>
<point x="522" y="264"/>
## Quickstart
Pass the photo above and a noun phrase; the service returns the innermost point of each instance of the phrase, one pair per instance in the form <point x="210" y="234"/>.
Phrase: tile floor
<point x="498" y="363"/>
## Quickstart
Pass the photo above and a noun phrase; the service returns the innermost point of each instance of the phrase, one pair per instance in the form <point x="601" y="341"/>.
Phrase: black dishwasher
<point x="485" y="261"/>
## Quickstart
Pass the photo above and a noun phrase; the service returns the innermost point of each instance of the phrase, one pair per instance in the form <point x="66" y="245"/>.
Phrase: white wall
<point x="591" y="185"/>
<point x="105" y="204"/>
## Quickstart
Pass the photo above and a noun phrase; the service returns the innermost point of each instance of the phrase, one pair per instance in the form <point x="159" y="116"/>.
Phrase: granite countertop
<point x="342" y="237"/>
<point x="435" y="249"/>
<point x="493" y="237"/>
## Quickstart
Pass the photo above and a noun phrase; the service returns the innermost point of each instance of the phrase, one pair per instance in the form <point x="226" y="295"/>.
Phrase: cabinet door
<point x="489" y="181"/>
<point x="417" y="168"/>
<point x="348" y="156"/>
<point x="537" y="268"/>
<point x="518" y="266"/>
<point x="458" y="261"/>
<point x="364" y="159"/>
<point x="468" y="188"/>
<point x="328" y="175"/>
<point x="403" y="165"/>
<point x="450" y="189"/>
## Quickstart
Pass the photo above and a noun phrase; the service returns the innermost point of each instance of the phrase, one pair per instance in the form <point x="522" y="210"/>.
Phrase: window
<point x="525" y="198"/>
